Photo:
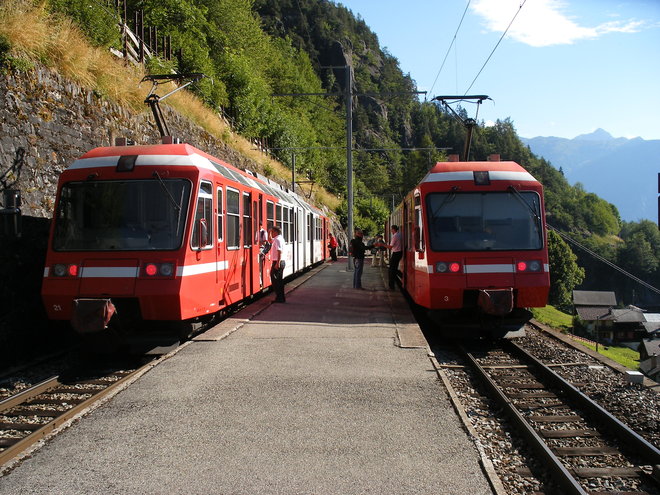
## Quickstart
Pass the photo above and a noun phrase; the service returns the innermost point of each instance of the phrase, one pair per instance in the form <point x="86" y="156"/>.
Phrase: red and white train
<point x="475" y="243"/>
<point x="167" y="233"/>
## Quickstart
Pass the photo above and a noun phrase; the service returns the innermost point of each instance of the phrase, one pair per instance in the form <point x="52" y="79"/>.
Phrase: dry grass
<point x="56" y="42"/>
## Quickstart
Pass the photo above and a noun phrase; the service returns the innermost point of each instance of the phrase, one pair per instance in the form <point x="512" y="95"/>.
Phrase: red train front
<point x="166" y="233"/>
<point x="475" y="243"/>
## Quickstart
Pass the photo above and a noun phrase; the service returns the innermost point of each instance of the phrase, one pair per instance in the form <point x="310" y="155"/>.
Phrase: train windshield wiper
<point x="176" y="205"/>
<point x="450" y="197"/>
<point x="532" y="210"/>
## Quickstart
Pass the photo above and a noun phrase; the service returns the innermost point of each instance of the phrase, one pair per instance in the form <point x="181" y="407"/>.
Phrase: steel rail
<point x="28" y="393"/>
<point x="60" y="417"/>
<point x="559" y="472"/>
<point x="629" y="438"/>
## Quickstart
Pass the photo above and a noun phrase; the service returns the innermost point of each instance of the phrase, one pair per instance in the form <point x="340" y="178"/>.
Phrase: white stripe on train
<point x="133" y="271"/>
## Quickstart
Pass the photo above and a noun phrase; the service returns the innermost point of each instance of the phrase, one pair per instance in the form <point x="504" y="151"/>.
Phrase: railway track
<point x="32" y="414"/>
<point x="579" y="445"/>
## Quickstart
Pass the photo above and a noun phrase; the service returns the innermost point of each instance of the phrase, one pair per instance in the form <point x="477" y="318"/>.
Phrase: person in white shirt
<point x="277" y="256"/>
<point x="397" y="252"/>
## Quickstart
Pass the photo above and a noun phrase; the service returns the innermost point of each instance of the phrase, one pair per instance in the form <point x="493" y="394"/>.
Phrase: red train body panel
<point x="475" y="241"/>
<point x="168" y="233"/>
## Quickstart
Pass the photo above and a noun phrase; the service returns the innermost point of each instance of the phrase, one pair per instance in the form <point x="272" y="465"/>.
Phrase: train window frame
<point x="233" y="219"/>
<point x="278" y="218"/>
<point x="270" y="214"/>
<point x="79" y="210"/>
<point x="481" y="230"/>
<point x="203" y="217"/>
<point x="418" y="228"/>
<point x="247" y="219"/>
<point x="220" y="214"/>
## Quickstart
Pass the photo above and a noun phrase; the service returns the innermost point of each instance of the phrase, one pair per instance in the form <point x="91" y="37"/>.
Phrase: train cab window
<point x="233" y="219"/>
<point x="486" y="221"/>
<point x="270" y="215"/>
<point x="121" y="215"/>
<point x="247" y="220"/>
<point x="221" y="211"/>
<point x="202" y="234"/>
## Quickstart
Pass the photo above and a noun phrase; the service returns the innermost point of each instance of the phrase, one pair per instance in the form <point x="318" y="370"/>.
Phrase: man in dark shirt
<point x="357" y="251"/>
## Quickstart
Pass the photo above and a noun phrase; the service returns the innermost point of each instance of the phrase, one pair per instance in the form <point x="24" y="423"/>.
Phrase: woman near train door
<point x="277" y="256"/>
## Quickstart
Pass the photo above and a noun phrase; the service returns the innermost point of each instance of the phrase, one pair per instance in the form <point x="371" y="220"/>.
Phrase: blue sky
<point x="564" y="68"/>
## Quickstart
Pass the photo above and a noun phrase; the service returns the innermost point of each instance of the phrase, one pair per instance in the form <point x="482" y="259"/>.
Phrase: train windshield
<point x="484" y="221"/>
<point x="121" y="215"/>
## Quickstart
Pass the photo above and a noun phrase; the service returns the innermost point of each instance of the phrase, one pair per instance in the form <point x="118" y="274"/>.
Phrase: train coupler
<point x="91" y="315"/>
<point x="497" y="302"/>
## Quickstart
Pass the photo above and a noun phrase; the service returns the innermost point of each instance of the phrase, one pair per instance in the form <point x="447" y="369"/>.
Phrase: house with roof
<point x="603" y="321"/>
<point x="594" y="309"/>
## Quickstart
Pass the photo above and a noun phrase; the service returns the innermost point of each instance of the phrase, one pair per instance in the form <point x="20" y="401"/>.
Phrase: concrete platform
<point x="330" y="393"/>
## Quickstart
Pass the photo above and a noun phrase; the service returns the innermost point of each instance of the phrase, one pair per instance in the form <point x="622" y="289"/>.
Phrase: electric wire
<point x="607" y="262"/>
<point x="496" y="45"/>
<point x="450" y="45"/>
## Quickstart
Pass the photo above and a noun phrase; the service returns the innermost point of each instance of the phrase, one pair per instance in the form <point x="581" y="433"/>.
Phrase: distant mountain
<point x="621" y="171"/>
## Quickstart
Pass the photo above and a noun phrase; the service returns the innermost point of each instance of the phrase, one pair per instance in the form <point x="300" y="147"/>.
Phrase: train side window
<point x="221" y="213"/>
<point x="247" y="220"/>
<point x="278" y="220"/>
<point x="419" y="229"/>
<point x="203" y="226"/>
<point x="233" y="219"/>
<point x="270" y="215"/>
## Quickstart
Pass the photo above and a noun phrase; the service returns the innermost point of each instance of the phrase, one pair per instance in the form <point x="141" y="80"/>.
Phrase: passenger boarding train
<point x="167" y="233"/>
<point x="475" y="244"/>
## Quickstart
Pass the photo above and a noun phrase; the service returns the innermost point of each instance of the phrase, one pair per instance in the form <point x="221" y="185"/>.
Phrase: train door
<point x="259" y="237"/>
<point x="324" y="240"/>
<point x="294" y="235"/>
<point x="221" y="262"/>
<point x="233" y="289"/>
<point x="201" y="243"/>
<point x="406" y="261"/>
<point x="310" y="237"/>
<point x="246" y="266"/>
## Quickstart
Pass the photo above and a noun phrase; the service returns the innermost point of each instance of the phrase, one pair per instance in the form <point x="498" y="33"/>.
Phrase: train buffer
<point x="332" y="392"/>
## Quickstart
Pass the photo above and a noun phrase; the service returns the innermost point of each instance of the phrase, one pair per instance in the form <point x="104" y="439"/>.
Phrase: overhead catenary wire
<point x="496" y="45"/>
<point x="450" y="45"/>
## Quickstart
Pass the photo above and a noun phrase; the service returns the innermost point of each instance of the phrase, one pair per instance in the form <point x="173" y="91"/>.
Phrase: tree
<point x="565" y="274"/>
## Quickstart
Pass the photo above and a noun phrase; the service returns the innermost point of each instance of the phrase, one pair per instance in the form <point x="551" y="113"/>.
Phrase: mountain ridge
<point x="620" y="170"/>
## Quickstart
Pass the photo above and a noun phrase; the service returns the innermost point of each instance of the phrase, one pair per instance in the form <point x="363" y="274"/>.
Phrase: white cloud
<point x="543" y="22"/>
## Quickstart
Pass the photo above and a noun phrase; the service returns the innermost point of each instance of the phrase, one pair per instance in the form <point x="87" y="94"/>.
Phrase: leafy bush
<point x="98" y="22"/>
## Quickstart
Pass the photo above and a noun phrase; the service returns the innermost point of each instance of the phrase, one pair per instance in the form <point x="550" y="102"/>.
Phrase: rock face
<point x="55" y="121"/>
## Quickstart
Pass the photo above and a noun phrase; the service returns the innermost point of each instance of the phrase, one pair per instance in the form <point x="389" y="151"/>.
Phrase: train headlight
<point x="529" y="266"/>
<point x="441" y="267"/>
<point x="152" y="270"/>
<point x="447" y="267"/>
<point x="534" y="266"/>
<point x="167" y="269"/>
<point x="59" y="270"/>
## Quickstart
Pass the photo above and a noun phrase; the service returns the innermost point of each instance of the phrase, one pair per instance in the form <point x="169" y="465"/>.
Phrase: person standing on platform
<point x="277" y="256"/>
<point x="332" y="245"/>
<point x="357" y="249"/>
<point x="378" y="252"/>
<point x="396" y="246"/>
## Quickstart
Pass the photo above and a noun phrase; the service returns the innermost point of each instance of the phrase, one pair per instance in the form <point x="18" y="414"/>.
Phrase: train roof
<point x="185" y="155"/>
<point x="464" y="171"/>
